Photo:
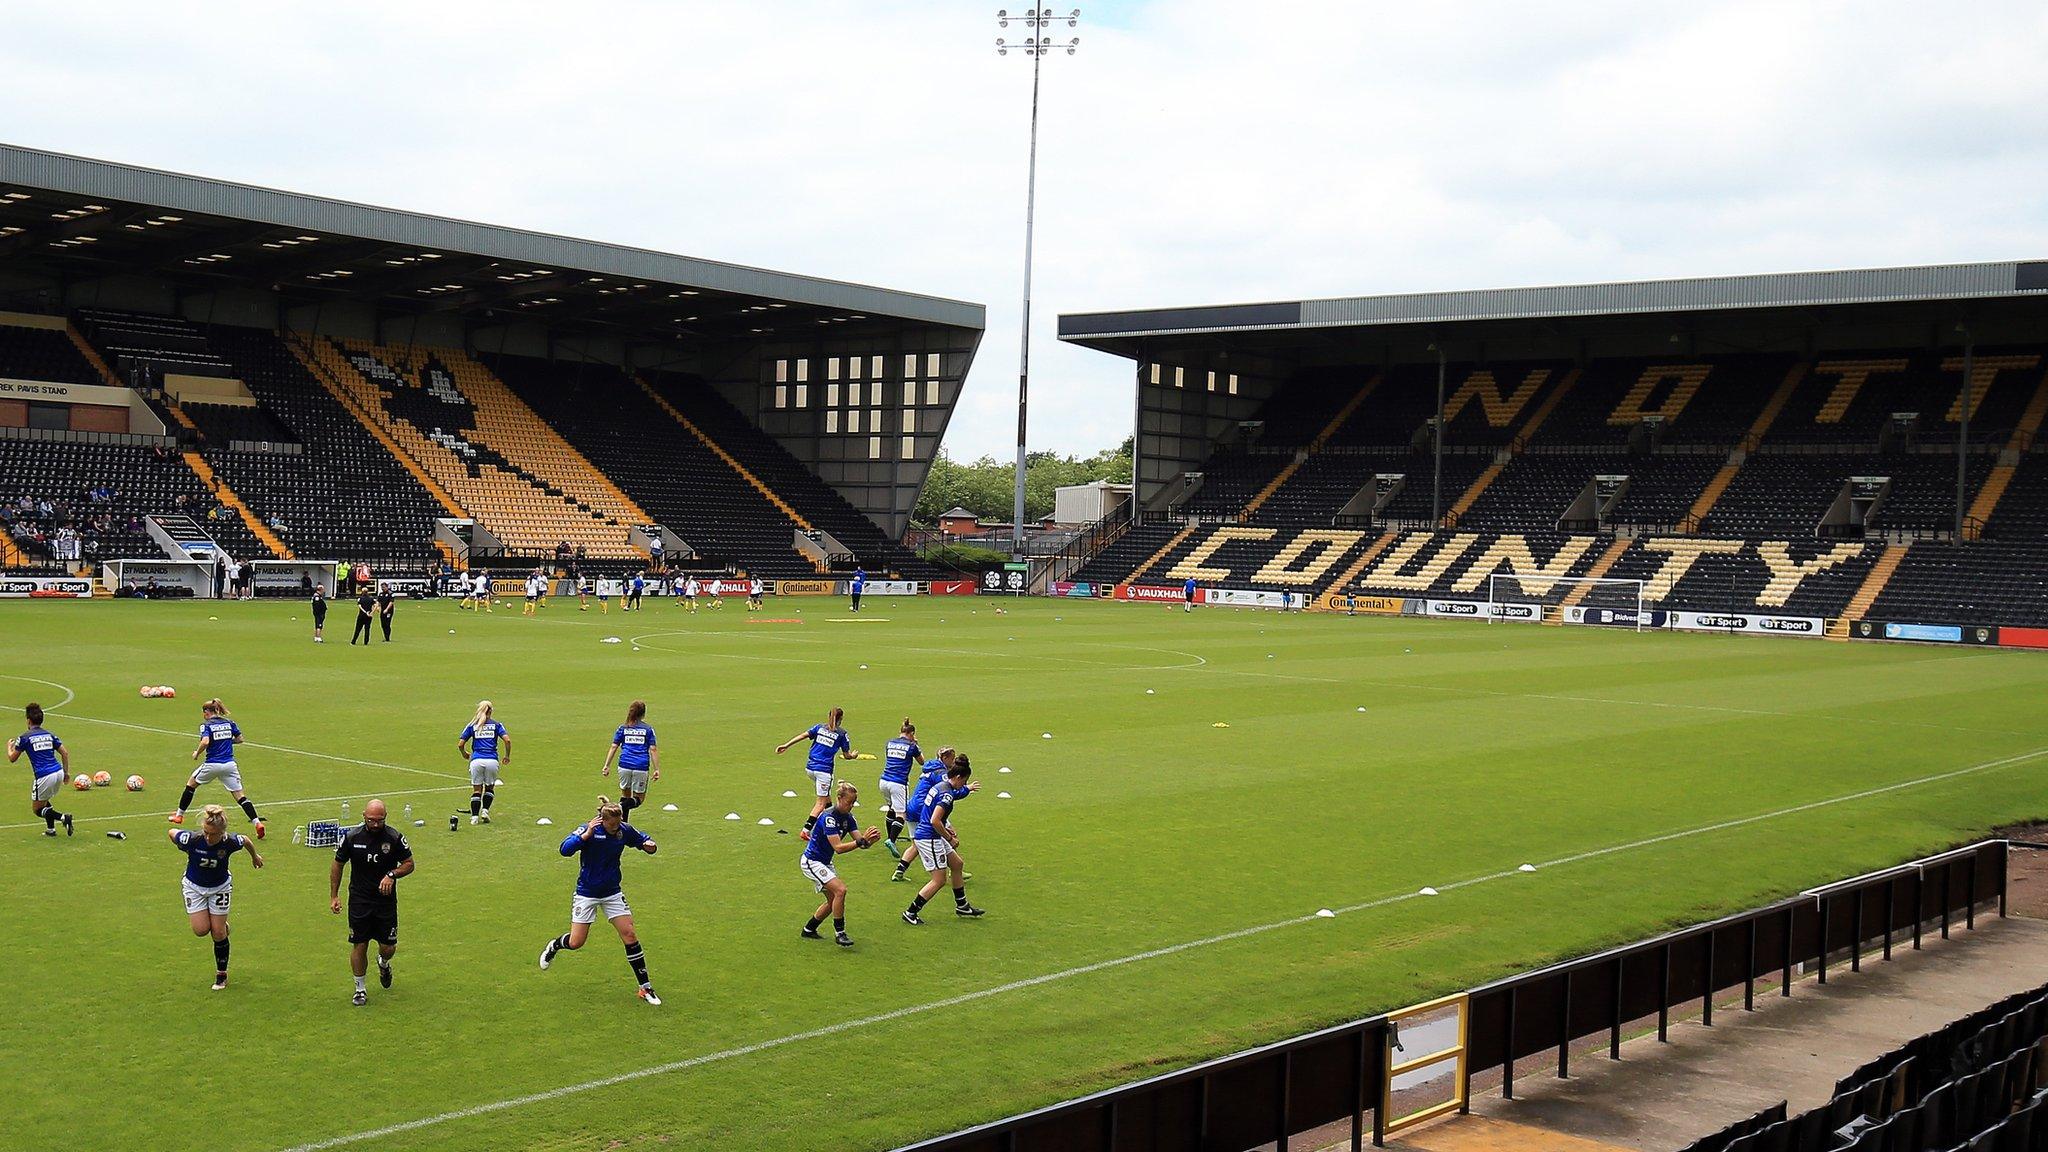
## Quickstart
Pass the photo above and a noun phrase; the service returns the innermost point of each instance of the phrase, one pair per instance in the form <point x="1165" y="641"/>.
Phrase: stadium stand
<point x="47" y="486"/>
<point x="143" y="348"/>
<point x="770" y="464"/>
<point x="43" y="354"/>
<point x="1754" y="483"/>
<point x="344" y="496"/>
<point x="684" y="486"/>
<point x="1978" y="1083"/>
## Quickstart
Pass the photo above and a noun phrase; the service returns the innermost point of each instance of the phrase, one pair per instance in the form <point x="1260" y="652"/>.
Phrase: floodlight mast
<point x="1037" y="45"/>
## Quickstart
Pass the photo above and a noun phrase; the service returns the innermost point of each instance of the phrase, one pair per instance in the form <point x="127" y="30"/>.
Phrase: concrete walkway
<point x="1660" y="1097"/>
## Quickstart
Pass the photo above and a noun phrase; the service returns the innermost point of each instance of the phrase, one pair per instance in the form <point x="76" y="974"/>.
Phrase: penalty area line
<point x="1115" y="962"/>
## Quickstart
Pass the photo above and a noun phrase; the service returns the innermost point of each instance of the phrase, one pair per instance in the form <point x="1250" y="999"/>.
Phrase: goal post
<point x="1543" y="592"/>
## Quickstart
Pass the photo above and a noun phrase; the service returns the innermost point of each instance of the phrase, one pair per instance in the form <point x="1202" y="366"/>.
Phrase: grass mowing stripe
<point x="1118" y="962"/>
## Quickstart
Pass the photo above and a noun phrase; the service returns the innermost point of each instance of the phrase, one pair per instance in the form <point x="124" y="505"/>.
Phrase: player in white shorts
<point x="487" y="745"/>
<point x="209" y="888"/>
<point x="601" y="843"/>
<point x="836" y="831"/>
<point x="827" y="740"/>
<point x="218" y="736"/>
<point x="754" y="590"/>
<point x="690" y="587"/>
<point x="935" y="840"/>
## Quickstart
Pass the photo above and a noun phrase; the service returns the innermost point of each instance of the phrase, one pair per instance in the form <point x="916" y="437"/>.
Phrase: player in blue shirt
<point x="837" y="831"/>
<point x="860" y="585"/>
<point x="634" y="588"/>
<point x="935" y="840"/>
<point x="208" y="887"/>
<point x="50" y="762"/>
<point x="601" y="843"/>
<point x="934" y="772"/>
<point x="827" y="740"/>
<point x="1187" y="592"/>
<point x="901" y="755"/>
<point x="488" y="746"/>
<point x="639" y="758"/>
<point x="218" y="736"/>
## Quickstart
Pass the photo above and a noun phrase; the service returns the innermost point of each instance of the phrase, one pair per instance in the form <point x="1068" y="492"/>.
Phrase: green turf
<point x="1138" y="826"/>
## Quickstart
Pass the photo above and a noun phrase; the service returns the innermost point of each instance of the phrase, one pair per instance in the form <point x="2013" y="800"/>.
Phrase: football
<point x="135" y="783"/>
<point x="102" y="779"/>
<point x="82" y="782"/>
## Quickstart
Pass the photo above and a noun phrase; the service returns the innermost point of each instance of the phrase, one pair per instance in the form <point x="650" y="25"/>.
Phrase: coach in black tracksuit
<point x="319" y="611"/>
<point x="366" y="606"/>
<point x="387" y="604"/>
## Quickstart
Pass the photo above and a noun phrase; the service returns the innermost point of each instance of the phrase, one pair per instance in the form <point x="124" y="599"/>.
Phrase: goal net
<point x="1596" y="600"/>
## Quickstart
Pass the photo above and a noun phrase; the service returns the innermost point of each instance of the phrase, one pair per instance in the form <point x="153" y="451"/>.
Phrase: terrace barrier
<point x="1267" y="1096"/>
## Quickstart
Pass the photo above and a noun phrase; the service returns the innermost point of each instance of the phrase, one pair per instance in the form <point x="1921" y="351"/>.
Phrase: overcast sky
<point x="1194" y="152"/>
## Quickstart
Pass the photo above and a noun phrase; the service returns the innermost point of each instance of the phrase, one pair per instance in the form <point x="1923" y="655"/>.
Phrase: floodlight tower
<point x="1037" y="45"/>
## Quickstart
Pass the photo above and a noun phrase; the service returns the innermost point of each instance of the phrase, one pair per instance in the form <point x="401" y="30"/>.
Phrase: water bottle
<point x="408" y="811"/>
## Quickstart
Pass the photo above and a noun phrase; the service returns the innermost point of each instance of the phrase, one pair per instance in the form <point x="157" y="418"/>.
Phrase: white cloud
<point x="1193" y="152"/>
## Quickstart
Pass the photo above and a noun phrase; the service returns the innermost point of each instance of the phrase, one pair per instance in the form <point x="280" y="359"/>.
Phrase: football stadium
<point x="1566" y="718"/>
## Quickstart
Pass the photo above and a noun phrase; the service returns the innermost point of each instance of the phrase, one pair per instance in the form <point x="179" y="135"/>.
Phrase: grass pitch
<point x="1655" y="780"/>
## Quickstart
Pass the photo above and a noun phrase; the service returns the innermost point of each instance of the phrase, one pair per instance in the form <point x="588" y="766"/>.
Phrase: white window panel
<point x="931" y="393"/>
<point x="853" y="421"/>
<point x="874" y="447"/>
<point x="803" y="370"/>
<point x="931" y="364"/>
<point x="831" y="420"/>
<point x="782" y="395"/>
<point x="803" y="395"/>
<point x="910" y="447"/>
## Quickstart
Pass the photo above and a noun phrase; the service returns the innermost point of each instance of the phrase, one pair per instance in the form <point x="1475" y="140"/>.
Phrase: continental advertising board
<point x="1365" y="605"/>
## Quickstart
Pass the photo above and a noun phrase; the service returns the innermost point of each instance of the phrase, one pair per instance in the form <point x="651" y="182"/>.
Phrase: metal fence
<point x="1344" y="1074"/>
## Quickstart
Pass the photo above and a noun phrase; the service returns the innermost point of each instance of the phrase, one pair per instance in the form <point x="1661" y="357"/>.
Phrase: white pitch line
<point x="1104" y="965"/>
<point x="276" y="748"/>
<point x="69" y="695"/>
<point x="158" y="813"/>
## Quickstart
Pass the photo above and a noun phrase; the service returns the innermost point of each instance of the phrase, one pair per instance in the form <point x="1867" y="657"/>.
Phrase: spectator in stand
<point x="362" y="578"/>
<point x="562" y="552"/>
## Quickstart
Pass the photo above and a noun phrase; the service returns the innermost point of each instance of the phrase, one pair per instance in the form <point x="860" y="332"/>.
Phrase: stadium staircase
<point x="228" y="499"/>
<point x="1871" y="588"/>
<point x="1985" y="505"/>
<point x="92" y="357"/>
<point x="1711" y="494"/>
<point x="305" y="350"/>
<point x="1615" y="550"/>
<point x="730" y="460"/>
<point x="1176" y="541"/>
<point x="1365" y="560"/>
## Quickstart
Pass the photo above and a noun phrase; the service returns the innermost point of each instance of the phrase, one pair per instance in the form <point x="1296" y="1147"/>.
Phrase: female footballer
<point x="827" y="740"/>
<point x="639" y="758"/>
<point x="218" y="736"/>
<point x="901" y="756"/>
<point x="488" y="746"/>
<point x="601" y="843"/>
<point x="208" y="886"/>
<point x="837" y="832"/>
<point x="51" y="764"/>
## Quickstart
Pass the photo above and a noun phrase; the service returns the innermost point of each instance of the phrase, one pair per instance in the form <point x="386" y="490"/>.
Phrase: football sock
<point x="895" y="827"/>
<point x="476" y="805"/>
<point x="960" y="897"/>
<point x="489" y="795"/>
<point x="809" y="821"/>
<point x="811" y="925"/>
<point x="638" y="959"/>
<point x="249" y="809"/>
<point x="51" y="815"/>
<point x="359" y="984"/>
<point x="626" y="805"/>
<point x="839" y="924"/>
<point x="220" y="955"/>
<point x="185" y="801"/>
<point x="562" y="941"/>
<point x="917" y="904"/>
<point x="384" y="962"/>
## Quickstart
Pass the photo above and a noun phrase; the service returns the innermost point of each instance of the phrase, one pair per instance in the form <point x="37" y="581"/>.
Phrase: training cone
<point x="543" y="821"/>
<point x="670" y="808"/>
<point x="1325" y="913"/>
<point x="788" y="795"/>
<point x="1002" y="795"/>
<point x="1045" y="735"/>
<point x="764" y="822"/>
<point x="1526" y="868"/>
<point x="732" y="815"/>
<point x="1004" y="768"/>
<point x="1219" y="724"/>
<point x="1427" y="892"/>
<point x="1149" y="692"/>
